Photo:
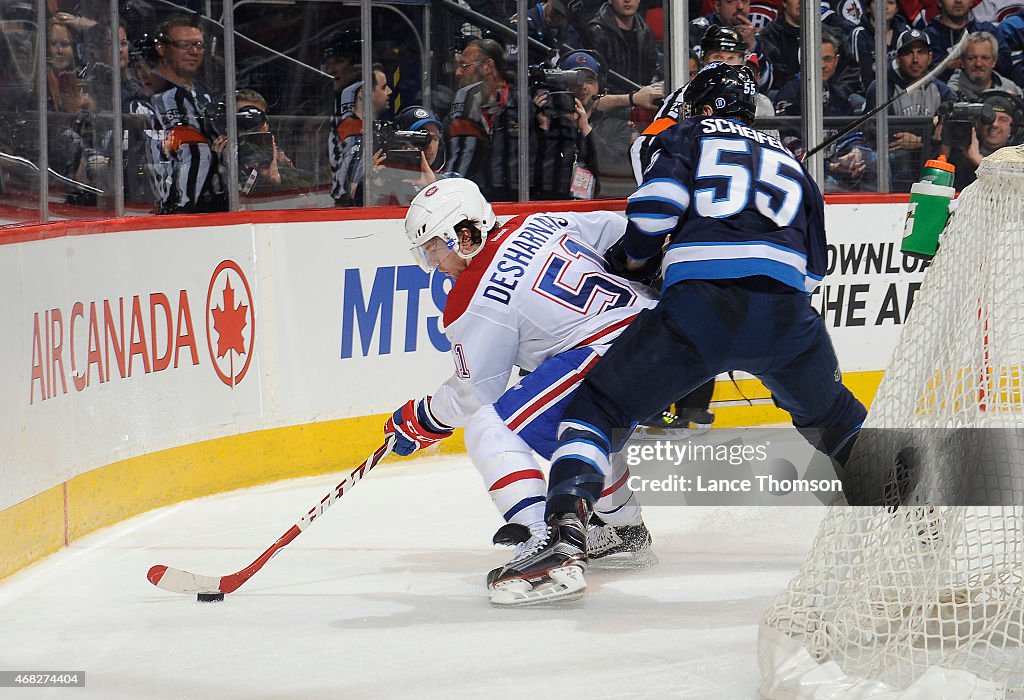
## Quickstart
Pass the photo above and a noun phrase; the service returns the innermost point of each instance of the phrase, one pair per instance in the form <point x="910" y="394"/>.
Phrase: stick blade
<point x="178" y="581"/>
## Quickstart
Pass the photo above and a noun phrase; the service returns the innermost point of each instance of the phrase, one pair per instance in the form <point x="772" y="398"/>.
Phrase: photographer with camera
<point x="581" y="153"/>
<point x="262" y="166"/>
<point x="411" y="155"/>
<point x="971" y="131"/>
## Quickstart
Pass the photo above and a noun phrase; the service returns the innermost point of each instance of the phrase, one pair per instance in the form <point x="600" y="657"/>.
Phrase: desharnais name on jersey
<point x="536" y="289"/>
<point x="735" y="203"/>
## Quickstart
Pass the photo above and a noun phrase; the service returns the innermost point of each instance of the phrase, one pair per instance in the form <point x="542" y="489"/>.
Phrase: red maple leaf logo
<point x="229" y="321"/>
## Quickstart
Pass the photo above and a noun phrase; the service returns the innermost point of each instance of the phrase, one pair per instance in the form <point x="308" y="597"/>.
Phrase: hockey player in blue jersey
<point x="747" y="247"/>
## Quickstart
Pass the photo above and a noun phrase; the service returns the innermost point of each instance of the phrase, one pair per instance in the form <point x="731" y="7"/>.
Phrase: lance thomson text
<point x="765" y="483"/>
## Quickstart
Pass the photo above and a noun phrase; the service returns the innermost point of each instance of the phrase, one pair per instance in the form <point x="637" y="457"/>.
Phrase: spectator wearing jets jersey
<point x="946" y="30"/>
<point x="837" y="101"/>
<point x="781" y="40"/>
<point x="977" y="72"/>
<point x="548" y="23"/>
<point x="745" y="253"/>
<point x="191" y="174"/>
<point x="1011" y="47"/>
<point x="524" y="296"/>
<point x="851" y="166"/>
<point x="862" y="38"/>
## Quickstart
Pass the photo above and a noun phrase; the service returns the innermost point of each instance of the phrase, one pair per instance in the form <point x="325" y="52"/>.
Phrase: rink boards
<point x="151" y="360"/>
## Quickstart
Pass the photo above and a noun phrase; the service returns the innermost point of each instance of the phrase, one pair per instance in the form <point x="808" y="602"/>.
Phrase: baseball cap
<point x="416" y="117"/>
<point x="580" y="59"/>
<point x="909" y="36"/>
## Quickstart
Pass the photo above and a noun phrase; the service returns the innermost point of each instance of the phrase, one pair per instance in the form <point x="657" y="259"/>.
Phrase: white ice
<point x="385" y="597"/>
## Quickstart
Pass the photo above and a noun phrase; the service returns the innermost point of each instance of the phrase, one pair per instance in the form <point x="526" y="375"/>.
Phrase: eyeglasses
<point x="464" y="66"/>
<point x="183" y="45"/>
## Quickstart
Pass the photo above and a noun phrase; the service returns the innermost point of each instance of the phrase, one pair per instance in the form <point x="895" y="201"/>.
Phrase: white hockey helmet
<point x="434" y="213"/>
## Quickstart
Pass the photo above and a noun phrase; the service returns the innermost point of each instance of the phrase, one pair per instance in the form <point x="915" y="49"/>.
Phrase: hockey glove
<point x="615" y="259"/>
<point x="414" y="427"/>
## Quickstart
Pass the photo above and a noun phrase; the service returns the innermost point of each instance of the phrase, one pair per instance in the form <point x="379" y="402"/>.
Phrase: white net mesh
<point x="887" y="592"/>
<point x="960" y="356"/>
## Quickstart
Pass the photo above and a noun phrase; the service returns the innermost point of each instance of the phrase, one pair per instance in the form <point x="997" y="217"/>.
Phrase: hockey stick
<point x="914" y="87"/>
<point x="179" y="581"/>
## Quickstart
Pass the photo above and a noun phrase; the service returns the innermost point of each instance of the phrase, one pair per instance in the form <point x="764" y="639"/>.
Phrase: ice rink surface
<point x="385" y="597"/>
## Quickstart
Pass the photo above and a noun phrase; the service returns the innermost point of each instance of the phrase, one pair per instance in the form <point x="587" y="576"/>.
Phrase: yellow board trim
<point x="763" y="411"/>
<point x="35" y="528"/>
<point x="31" y="530"/>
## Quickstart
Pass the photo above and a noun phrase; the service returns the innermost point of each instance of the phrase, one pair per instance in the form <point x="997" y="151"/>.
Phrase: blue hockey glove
<point x="414" y="427"/>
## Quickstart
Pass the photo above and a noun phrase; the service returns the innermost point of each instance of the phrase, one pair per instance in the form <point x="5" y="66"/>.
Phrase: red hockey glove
<point x="415" y="427"/>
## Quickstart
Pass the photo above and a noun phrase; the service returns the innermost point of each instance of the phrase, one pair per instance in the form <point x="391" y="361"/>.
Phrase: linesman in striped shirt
<point x="190" y="177"/>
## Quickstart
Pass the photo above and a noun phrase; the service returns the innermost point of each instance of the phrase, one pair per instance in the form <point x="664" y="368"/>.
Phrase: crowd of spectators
<point x="595" y="85"/>
<point x="918" y="37"/>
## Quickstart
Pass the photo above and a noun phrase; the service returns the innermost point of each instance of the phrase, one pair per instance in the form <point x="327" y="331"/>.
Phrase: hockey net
<point x="926" y="599"/>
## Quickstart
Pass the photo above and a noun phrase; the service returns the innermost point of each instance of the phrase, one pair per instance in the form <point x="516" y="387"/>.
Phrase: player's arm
<point x="484" y="351"/>
<point x="657" y="208"/>
<point x="598" y="230"/>
<point x="483" y="362"/>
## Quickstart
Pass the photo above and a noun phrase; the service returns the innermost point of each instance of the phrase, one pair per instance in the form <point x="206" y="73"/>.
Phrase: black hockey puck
<point x="210" y="597"/>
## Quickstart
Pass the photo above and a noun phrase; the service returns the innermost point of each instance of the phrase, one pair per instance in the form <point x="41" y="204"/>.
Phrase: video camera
<point x="958" y="121"/>
<point x="402" y="149"/>
<point x="387" y="138"/>
<point x="558" y="83"/>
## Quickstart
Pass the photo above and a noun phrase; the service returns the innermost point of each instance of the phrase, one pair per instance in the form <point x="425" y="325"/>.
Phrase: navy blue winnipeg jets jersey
<point x="735" y="202"/>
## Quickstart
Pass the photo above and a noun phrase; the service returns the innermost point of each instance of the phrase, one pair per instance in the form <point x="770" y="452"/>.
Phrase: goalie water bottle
<point x="929" y="209"/>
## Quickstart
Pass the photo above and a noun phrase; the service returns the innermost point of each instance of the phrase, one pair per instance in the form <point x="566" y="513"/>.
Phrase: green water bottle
<point x="929" y="209"/>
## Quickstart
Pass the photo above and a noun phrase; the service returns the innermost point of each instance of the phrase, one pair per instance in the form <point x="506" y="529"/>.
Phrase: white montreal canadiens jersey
<point x="538" y="288"/>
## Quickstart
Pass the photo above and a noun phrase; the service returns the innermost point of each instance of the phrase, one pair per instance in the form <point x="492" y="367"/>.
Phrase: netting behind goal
<point x="929" y="594"/>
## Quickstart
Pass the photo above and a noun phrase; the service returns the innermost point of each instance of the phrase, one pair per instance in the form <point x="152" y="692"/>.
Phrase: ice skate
<point x="545" y="568"/>
<point x="691" y="422"/>
<point x="619" y="546"/>
<point x="699" y="419"/>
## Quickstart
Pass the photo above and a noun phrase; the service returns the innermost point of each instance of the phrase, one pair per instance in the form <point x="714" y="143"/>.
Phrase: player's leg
<point x="687" y="416"/>
<point x="651" y="364"/>
<point x="533" y="409"/>
<point x="617" y="537"/>
<point x="510" y="471"/>
<point x="806" y="381"/>
<point x="632" y="380"/>
<point x="695" y="407"/>
<point x="530" y="412"/>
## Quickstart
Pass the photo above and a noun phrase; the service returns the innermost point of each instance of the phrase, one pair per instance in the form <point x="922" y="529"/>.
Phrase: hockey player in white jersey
<point x="532" y="294"/>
